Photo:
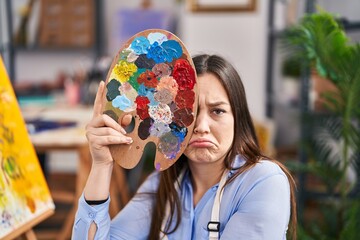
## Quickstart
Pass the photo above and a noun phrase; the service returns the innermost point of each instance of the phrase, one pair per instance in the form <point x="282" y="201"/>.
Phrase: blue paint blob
<point x="149" y="93"/>
<point x="165" y="52"/>
<point x="122" y="102"/>
<point x="150" y="96"/>
<point x="178" y="131"/>
<point x="140" y="45"/>
<point x="173" y="49"/>
<point x="180" y="135"/>
<point x="142" y="91"/>
<point x="157" y="53"/>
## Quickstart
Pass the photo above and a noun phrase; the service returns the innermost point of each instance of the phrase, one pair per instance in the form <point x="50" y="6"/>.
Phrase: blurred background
<point x="57" y="51"/>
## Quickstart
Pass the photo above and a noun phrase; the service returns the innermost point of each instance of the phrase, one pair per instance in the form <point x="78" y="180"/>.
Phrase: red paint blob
<point x="184" y="74"/>
<point x="185" y="99"/>
<point x="148" y="78"/>
<point x="183" y="117"/>
<point x="142" y="108"/>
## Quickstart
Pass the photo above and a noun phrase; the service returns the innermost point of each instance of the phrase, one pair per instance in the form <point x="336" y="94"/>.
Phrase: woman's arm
<point x="101" y="132"/>
<point x="131" y="223"/>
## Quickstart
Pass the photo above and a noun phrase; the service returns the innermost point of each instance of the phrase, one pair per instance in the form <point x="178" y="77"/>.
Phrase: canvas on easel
<point x="25" y="199"/>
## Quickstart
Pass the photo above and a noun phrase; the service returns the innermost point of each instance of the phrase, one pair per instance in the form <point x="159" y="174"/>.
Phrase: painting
<point x="25" y="199"/>
<point x="153" y="79"/>
<point x="221" y="6"/>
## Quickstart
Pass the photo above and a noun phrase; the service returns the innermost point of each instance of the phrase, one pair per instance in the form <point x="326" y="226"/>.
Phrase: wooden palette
<point x="153" y="79"/>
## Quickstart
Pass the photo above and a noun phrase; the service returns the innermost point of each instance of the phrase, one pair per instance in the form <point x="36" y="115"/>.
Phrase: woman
<point x="222" y="187"/>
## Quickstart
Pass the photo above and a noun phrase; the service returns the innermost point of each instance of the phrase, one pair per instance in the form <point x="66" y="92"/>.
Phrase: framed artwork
<point x="25" y="199"/>
<point x="222" y="5"/>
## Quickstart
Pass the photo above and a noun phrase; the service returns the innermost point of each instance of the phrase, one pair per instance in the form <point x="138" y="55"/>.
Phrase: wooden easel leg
<point x="65" y="232"/>
<point x="29" y="235"/>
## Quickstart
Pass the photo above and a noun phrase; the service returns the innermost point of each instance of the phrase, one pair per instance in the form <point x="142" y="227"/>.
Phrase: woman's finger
<point x="104" y="140"/>
<point x="105" y="120"/>
<point x="126" y="120"/>
<point x="105" y="131"/>
<point x="98" y="99"/>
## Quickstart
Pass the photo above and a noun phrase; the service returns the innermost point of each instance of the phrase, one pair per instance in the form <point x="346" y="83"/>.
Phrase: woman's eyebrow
<point x="217" y="103"/>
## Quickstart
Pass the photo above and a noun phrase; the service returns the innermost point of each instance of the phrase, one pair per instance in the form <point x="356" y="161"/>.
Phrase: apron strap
<point x="214" y="224"/>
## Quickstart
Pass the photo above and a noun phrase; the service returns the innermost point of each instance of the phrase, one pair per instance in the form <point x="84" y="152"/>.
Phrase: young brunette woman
<point x="222" y="187"/>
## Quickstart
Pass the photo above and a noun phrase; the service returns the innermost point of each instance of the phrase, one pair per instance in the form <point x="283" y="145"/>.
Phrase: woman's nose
<point x="202" y="123"/>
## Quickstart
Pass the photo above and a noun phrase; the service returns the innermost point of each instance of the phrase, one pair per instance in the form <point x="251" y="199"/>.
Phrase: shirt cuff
<point x="90" y="213"/>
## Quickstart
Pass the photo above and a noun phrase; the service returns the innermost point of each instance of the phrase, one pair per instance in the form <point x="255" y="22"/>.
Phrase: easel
<point x="11" y="116"/>
<point x="25" y="231"/>
<point x="28" y="235"/>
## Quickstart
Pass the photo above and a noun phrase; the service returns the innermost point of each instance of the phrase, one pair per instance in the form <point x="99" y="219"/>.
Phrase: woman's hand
<point x="103" y="131"/>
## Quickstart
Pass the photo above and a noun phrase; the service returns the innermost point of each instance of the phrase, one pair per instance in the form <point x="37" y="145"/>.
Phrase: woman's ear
<point x="151" y="91"/>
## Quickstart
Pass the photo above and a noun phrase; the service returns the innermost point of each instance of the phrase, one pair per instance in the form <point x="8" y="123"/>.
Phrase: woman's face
<point x="214" y="127"/>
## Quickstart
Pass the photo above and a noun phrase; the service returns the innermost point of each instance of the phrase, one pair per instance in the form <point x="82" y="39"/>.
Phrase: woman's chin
<point x="200" y="155"/>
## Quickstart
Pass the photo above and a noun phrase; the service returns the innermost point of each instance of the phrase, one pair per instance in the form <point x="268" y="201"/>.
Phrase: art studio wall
<point x="240" y="36"/>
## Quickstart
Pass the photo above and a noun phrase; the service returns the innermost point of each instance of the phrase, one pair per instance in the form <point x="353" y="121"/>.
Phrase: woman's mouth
<point x="201" y="143"/>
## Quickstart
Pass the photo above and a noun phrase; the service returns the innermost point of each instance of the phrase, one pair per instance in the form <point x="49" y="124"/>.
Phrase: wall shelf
<point x="13" y="51"/>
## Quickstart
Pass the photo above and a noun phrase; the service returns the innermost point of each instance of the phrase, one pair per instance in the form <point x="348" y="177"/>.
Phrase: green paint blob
<point x="133" y="79"/>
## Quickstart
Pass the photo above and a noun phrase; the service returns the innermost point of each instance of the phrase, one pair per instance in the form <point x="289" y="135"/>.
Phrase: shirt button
<point x="214" y="188"/>
<point x="91" y="215"/>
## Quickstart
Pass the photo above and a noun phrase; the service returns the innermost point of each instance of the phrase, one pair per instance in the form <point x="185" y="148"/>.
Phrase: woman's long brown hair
<point x="244" y="143"/>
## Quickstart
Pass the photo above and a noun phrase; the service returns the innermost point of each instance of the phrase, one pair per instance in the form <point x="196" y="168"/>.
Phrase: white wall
<point x="241" y="38"/>
<point x="348" y="8"/>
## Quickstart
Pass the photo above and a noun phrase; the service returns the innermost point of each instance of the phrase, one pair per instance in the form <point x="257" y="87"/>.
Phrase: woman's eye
<point x="218" y="111"/>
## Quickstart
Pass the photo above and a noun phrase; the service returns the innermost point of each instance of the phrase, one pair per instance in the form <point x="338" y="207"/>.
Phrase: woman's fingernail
<point x="129" y="140"/>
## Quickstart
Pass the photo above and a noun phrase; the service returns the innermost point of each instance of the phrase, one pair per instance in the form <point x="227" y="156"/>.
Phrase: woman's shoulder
<point x="267" y="167"/>
<point x="265" y="174"/>
<point x="261" y="170"/>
